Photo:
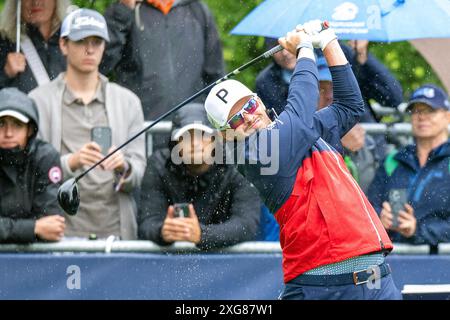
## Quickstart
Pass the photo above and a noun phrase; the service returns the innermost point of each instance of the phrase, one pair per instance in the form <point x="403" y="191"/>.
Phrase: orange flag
<point x="163" y="5"/>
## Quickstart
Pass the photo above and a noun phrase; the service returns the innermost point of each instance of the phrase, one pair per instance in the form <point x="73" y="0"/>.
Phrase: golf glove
<point x="320" y="38"/>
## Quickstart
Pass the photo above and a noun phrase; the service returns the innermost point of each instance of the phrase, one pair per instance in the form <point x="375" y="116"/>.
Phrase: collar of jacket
<point x="13" y="162"/>
<point x="16" y="157"/>
<point x="408" y="154"/>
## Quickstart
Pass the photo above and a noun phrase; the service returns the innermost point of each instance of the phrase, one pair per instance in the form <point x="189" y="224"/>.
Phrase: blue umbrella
<point x="374" y="20"/>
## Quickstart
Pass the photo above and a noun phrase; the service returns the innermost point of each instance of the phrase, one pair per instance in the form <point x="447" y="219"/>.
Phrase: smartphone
<point x="397" y="200"/>
<point x="102" y="136"/>
<point x="181" y="210"/>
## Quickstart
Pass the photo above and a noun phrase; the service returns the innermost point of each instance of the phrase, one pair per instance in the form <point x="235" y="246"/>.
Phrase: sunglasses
<point x="238" y="118"/>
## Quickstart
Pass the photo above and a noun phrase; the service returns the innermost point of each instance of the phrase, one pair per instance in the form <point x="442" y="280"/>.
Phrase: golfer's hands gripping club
<point x="320" y="34"/>
<point x="294" y="40"/>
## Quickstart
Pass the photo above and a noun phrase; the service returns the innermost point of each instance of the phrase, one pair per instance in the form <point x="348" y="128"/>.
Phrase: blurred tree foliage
<point x="400" y="57"/>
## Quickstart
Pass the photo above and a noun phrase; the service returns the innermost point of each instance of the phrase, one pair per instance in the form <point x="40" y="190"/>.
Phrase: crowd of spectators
<point x="157" y="54"/>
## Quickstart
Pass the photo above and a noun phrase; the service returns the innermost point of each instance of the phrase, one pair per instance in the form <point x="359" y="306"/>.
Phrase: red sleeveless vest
<point x="327" y="217"/>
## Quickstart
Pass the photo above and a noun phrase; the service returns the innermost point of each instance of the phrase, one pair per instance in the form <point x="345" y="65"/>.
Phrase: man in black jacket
<point x="30" y="174"/>
<point x="224" y="207"/>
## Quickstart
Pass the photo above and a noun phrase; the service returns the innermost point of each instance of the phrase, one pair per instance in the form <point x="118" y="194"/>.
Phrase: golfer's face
<point x="13" y="133"/>
<point x="37" y="12"/>
<point x="252" y="122"/>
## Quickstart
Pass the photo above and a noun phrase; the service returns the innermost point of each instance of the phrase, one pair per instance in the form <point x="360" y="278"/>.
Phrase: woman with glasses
<point x="422" y="171"/>
<point x="332" y="240"/>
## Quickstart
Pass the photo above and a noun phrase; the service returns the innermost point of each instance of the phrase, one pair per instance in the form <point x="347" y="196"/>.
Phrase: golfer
<point x="333" y="242"/>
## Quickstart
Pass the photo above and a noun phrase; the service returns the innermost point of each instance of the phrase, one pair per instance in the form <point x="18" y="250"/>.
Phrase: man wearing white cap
<point x="223" y="206"/>
<point x="332" y="240"/>
<point x="30" y="174"/>
<point x="79" y="104"/>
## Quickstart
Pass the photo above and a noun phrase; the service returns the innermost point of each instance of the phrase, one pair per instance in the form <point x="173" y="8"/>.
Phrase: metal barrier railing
<point x="393" y="130"/>
<point x="108" y="246"/>
<point x="444" y="248"/>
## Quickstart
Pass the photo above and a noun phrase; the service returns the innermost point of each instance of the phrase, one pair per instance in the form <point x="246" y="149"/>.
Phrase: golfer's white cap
<point x="221" y="100"/>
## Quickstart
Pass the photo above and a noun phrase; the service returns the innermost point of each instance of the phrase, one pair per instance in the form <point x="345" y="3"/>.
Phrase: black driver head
<point x="69" y="197"/>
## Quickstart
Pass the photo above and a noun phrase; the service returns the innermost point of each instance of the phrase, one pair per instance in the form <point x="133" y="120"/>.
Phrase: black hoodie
<point x="227" y="205"/>
<point x="29" y="178"/>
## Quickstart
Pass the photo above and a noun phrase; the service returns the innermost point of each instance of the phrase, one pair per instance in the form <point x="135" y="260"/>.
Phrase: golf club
<point x="68" y="193"/>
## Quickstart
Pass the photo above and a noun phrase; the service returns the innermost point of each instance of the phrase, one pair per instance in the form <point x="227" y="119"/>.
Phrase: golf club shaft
<point x="18" y="20"/>
<point x="265" y="55"/>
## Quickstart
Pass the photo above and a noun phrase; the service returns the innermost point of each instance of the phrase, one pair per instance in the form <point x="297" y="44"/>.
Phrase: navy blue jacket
<point x="374" y="80"/>
<point x="323" y="216"/>
<point x="271" y="87"/>
<point x="428" y="191"/>
<point x="301" y="122"/>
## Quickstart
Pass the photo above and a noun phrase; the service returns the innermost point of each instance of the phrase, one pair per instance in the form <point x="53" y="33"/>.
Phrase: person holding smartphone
<point x="411" y="190"/>
<point x="187" y="197"/>
<point x="85" y="117"/>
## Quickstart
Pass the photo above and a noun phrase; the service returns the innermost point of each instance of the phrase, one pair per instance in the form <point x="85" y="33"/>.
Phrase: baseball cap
<point x="16" y="104"/>
<point x="83" y="23"/>
<point x="15" y="114"/>
<point x="191" y="116"/>
<point x="431" y="95"/>
<point x="221" y="100"/>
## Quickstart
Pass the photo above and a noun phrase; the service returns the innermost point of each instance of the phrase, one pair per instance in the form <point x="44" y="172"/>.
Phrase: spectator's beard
<point x="13" y="157"/>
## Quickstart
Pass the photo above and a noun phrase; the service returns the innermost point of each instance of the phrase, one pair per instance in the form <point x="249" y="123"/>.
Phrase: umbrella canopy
<point x="374" y="20"/>
<point x="435" y="51"/>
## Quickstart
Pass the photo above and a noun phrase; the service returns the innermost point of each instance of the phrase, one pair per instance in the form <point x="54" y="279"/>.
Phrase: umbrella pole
<point x="18" y="18"/>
